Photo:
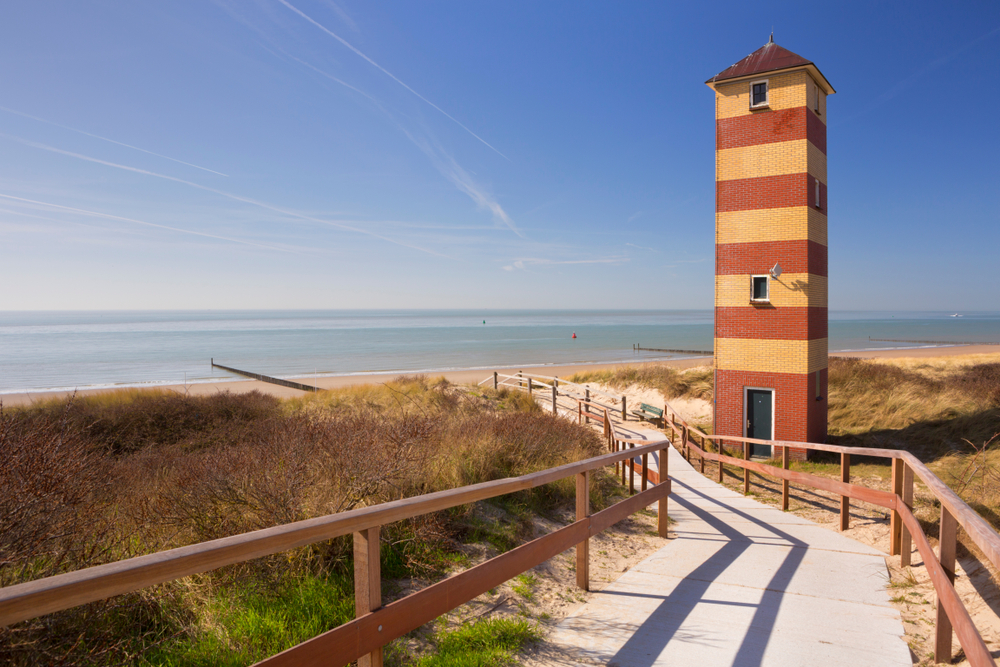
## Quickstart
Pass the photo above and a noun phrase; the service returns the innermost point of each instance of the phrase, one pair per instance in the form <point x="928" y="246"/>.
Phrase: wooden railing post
<point x="645" y="471"/>
<point x="624" y="413"/>
<point x="684" y="439"/>
<point x="631" y="472"/>
<point x="530" y="386"/>
<point x="721" y="468"/>
<point x="587" y="407"/>
<point x="946" y="556"/>
<point x="496" y="384"/>
<point x="554" y="394"/>
<point x="895" y="521"/>
<point x="661" y="508"/>
<point x="367" y="583"/>
<point x="625" y="464"/>
<point x="845" y="502"/>
<point x="905" y="545"/>
<point x="746" y="471"/>
<point x="784" y="482"/>
<point x="583" y="548"/>
<point x="701" y="457"/>
<point x="579" y="411"/>
<point x="520" y="380"/>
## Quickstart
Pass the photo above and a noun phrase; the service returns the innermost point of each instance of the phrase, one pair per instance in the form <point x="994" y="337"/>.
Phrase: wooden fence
<point x="904" y="526"/>
<point x="375" y="625"/>
<point x="904" y="529"/>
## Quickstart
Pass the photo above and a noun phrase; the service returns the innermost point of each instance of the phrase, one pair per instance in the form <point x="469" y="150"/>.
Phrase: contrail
<point x="97" y="136"/>
<point x="148" y="224"/>
<point x="389" y="74"/>
<point x="245" y="200"/>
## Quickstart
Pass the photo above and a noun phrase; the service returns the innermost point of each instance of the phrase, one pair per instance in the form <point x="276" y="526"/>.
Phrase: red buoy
<point x="574" y="334"/>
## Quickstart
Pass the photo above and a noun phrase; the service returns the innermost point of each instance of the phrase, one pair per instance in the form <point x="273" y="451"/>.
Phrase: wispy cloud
<point x="331" y="77"/>
<point x="525" y="262"/>
<point x="108" y="216"/>
<point x="343" y="15"/>
<point x="637" y="214"/>
<point x="462" y="180"/>
<point x="641" y="247"/>
<point x="388" y="73"/>
<point x="914" y="78"/>
<point x="112" y="141"/>
<point x="246" y="200"/>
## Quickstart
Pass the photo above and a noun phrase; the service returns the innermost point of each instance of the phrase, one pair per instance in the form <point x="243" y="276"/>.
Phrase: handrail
<point x="549" y="377"/>
<point x="63" y="591"/>
<point x="952" y="612"/>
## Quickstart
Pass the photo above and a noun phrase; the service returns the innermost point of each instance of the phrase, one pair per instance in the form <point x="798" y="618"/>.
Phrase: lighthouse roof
<point x="766" y="59"/>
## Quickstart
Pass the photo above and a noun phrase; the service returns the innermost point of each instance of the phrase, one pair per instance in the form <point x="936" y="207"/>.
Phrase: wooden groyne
<point x="266" y="378"/>
<point x="929" y="342"/>
<point x="638" y="348"/>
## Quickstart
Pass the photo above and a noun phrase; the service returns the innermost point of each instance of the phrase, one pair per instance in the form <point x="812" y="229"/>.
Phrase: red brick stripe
<point x="799" y="416"/>
<point x="767" y="127"/>
<point x="769" y="323"/>
<point x="801" y="256"/>
<point x="747" y="194"/>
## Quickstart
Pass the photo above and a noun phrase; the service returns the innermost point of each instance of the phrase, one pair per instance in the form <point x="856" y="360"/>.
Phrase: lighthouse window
<point x="758" y="288"/>
<point x="758" y="94"/>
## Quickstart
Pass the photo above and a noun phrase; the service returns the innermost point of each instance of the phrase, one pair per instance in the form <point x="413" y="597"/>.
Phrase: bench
<point x="648" y="413"/>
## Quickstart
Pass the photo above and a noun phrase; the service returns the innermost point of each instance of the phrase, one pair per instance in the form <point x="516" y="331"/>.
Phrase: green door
<point x="759" y="423"/>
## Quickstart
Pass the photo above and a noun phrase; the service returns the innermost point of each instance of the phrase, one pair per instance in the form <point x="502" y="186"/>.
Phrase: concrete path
<point x="740" y="583"/>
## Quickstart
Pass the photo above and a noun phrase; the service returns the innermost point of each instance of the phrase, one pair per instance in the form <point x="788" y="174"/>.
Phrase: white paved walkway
<point x="740" y="583"/>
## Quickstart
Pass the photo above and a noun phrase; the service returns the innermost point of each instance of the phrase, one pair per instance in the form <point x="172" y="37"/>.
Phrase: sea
<point x="44" y="351"/>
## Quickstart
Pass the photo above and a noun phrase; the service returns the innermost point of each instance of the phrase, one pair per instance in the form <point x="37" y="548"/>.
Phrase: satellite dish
<point x="776" y="271"/>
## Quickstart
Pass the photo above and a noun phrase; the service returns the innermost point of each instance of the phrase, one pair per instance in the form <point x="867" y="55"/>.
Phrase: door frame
<point x="774" y="402"/>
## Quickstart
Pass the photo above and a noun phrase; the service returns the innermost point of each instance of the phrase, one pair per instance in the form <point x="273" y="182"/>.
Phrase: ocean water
<point x="65" y="350"/>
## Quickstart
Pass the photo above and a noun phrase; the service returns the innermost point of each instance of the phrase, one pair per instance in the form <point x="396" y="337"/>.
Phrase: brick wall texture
<point x="768" y="164"/>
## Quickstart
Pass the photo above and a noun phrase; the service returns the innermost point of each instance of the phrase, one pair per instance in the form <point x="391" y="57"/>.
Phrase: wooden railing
<point x="557" y="387"/>
<point x="904" y="526"/>
<point x="375" y="625"/>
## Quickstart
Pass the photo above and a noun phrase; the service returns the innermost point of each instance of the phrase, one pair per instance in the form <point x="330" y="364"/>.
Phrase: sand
<point x="975" y="354"/>
<point x="240" y="386"/>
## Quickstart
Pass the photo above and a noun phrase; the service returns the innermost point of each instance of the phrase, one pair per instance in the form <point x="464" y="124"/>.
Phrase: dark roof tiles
<point x="767" y="58"/>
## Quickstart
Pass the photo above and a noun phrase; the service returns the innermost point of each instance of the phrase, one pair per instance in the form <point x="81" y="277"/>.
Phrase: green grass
<point x="524" y="585"/>
<point x="239" y="628"/>
<point x="485" y="643"/>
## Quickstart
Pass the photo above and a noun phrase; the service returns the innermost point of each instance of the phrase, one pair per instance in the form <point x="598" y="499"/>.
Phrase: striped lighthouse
<point x="771" y="248"/>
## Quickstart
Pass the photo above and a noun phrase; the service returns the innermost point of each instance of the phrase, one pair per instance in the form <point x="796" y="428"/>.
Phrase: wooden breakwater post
<point x="266" y="378"/>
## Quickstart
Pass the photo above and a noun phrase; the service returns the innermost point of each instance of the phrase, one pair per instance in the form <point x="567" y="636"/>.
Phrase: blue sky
<point x="312" y="154"/>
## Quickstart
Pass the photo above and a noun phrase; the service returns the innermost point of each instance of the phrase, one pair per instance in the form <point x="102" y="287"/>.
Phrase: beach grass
<point x="671" y="382"/>
<point x="97" y="479"/>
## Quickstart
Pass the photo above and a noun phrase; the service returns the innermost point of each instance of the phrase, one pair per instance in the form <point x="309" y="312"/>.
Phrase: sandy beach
<point x="987" y="352"/>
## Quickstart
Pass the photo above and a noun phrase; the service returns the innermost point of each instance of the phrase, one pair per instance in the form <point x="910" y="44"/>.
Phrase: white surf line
<point x="119" y="143"/>
<point x="388" y="73"/>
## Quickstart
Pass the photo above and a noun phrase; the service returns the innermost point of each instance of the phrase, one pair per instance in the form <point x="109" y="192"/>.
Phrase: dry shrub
<point x="91" y="481"/>
<point x="53" y="499"/>
<point x="128" y="420"/>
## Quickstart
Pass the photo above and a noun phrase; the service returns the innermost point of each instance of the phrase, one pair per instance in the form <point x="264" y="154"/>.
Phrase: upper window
<point x="758" y="288"/>
<point x="758" y="94"/>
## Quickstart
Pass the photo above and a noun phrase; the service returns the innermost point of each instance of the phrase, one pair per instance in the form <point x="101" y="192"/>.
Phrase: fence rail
<point x="904" y="526"/>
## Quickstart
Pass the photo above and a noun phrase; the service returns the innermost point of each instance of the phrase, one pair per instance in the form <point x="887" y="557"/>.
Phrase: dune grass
<point x="672" y="383"/>
<point x="102" y="478"/>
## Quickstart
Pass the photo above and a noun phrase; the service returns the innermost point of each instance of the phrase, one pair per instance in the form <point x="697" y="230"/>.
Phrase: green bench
<point x="648" y="413"/>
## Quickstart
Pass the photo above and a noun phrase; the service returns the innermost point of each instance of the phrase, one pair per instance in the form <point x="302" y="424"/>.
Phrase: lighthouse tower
<point x="771" y="248"/>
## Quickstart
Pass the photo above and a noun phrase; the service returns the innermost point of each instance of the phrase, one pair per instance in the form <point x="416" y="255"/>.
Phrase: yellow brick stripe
<point x="795" y="223"/>
<point x="791" y="289"/>
<point x="774" y="159"/>
<point x="771" y="356"/>
<point x="785" y="91"/>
